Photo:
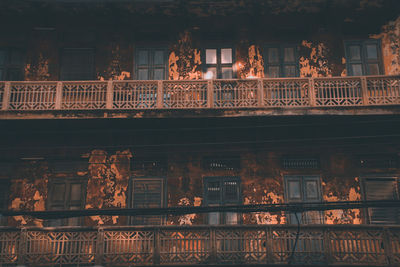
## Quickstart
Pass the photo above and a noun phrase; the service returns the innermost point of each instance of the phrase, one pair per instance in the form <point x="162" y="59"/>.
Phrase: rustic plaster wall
<point x="390" y="41"/>
<point x="107" y="185"/>
<point x="184" y="62"/>
<point x="29" y="192"/>
<point x="114" y="62"/>
<point x="250" y="62"/>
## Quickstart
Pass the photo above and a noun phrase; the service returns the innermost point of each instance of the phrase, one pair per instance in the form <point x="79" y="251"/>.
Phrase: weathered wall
<point x="390" y="41"/>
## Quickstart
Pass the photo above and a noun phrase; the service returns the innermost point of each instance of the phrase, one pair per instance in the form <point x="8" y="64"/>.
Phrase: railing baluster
<point x="58" y="95"/>
<point x="213" y="246"/>
<point x="156" y="248"/>
<point x="99" y="247"/>
<point x="109" y="95"/>
<point x="311" y="91"/>
<point x="260" y="91"/>
<point x="364" y="91"/>
<point x="160" y="95"/>
<point x="6" y="96"/>
<point x="210" y="94"/>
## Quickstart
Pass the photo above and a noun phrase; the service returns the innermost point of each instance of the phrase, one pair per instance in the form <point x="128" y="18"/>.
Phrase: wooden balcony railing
<point x="170" y="245"/>
<point x="195" y="94"/>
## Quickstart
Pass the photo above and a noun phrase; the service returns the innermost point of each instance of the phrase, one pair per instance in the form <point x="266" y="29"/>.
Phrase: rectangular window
<point x="303" y="189"/>
<point x="218" y="63"/>
<point x="222" y="191"/>
<point x="281" y="61"/>
<point x="151" y="63"/>
<point x="66" y="194"/>
<point x="11" y="64"/>
<point x="363" y="57"/>
<point x="77" y="64"/>
<point x="385" y="188"/>
<point x="147" y="193"/>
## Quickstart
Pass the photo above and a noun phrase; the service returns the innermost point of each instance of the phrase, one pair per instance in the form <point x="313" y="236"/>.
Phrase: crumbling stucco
<point x="250" y="63"/>
<point x="184" y="61"/>
<point x="314" y="62"/>
<point x="390" y="41"/>
<point x="107" y="184"/>
<point x="116" y="67"/>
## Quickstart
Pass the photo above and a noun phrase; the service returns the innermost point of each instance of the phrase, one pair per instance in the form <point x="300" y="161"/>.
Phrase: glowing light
<point x="209" y="75"/>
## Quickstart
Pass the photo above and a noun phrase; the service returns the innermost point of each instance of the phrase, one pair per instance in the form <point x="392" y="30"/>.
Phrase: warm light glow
<point x="251" y="77"/>
<point x="209" y="75"/>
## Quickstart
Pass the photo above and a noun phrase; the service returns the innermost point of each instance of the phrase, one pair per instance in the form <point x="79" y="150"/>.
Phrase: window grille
<point x="229" y="163"/>
<point x="292" y="163"/>
<point x="379" y="161"/>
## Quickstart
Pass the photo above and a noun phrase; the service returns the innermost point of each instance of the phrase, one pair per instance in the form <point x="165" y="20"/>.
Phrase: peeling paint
<point x="115" y="66"/>
<point x="314" y="60"/>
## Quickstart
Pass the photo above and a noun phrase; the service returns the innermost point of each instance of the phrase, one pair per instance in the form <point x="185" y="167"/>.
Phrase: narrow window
<point x="151" y="63"/>
<point x="218" y="63"/>
<point x="281" y="61"/>
<point x="66" y="194"/>
<point x="222" y="191"/>
<point x="77" y="64"/>
<point x="11" y="64"/>
<point x="147" y="193"/>
<point x="363" y="58"/>
<point x="303" y="189"/>
<point x="382" y="189"/>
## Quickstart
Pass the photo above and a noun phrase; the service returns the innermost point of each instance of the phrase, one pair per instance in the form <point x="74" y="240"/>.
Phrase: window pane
<point x="143" y="58"/>
<point x="372" y="51"/>
<point x="14" y="75"/>
<point x="143" y="74"/>
<point x="58" y="193"/>
<point x="16" y="57"/>
<point x="290" y="71"/>
<point x="288" y="55"/>
<point x="158" y="74"/>
<point x="77" y="64"/>
<point x="355" y="52"/>
<point x="76" y="192"/>
<point x="2" y="57"/>
<point x="373" y="69"/>
<point x="273" y="55"/>
<point x="213" y="218"/>
<point x="311" y="188"/>
<point x="159" y="57"/>
<point x="211" y="73"/>
<point x="227" y="73"/>
<point x="294" y="190"/>
<point x="211" y="56"/>
<point x="147" y="194"/>
<point x="273" y="72"/>
<point x="231" y="191"/>
<point x="231" y="218"/>
<point x="356" y="69"/>
<point x="75" y="220"/>
<point x="226" y="55"/>
<point x="213" y="192"/>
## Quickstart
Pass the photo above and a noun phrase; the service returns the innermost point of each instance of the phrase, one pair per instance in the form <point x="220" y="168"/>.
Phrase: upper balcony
<point x="200" y="98"/>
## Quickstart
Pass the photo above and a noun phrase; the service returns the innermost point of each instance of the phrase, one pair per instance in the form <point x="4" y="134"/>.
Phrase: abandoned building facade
<point x="165" y="103"/>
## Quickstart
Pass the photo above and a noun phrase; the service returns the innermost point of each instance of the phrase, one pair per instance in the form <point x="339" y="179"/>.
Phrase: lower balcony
<point x="202" y="245"/>
<point x="277" y="96"/>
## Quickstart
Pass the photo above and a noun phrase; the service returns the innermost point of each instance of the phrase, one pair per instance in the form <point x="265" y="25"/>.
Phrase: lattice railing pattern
<point x="185" y="94"/>
<point x="338" y="91"/>
<point x="84" y="95"/>
<point x="383" y="90"/>
<point x="201" y="94"/>
<point x="235" y="93"/>
<point x="32" y="96"/>
<point x="134" y="94"/>
<point x="9" y="247"/>
<point x="286" y="92"/>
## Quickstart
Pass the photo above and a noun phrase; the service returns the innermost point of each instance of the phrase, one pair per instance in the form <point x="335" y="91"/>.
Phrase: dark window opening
<point x="151" y="63"/>
<point x="363" y="58"/>
<point x="281" y="61"/>
<point x="222" y="191"/>
<point x="11" y="64"/>
<point x="77" y="64"/>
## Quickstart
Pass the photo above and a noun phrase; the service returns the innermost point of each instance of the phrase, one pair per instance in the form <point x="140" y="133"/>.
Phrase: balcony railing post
<point x="210" y="93"/>
<point x="213" y="246"/>
<point x="327" y="248"/>
<point x="156" y="249"/>
<point x="23" y="244"/>
<point x="6" y="95"/>
<point x="311" y="91"/>
<point x="160" y="95"/>
<point x="58" y="95"/>
<point x="260" y="89"/>
<point x="269" y="245"/>
<point x="387" y="247"/>
<point x="99" y="247"/>
<point x="110" y="95"/>
<point x="364" y="91"/>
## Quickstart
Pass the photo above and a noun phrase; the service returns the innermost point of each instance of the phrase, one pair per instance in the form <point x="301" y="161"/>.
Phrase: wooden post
<point x="210" y="94"/>
<point x="6" y="96"/>
<point x="213" y="246"/>
<point x="22" y="250"/>
<point x="98" y="258"/>
<point x="387" y="247"/>
<point x="311" y="92"/>
<point x="160" y="95"/>
<point x="260" y="90"/>
<point x="156" y="248"/>
<point x="58" y="95"/>
<point x="364" y="91"/>
<point x="110" y="95"/>
<point x="326" y="245"/>
<point x="269" y="245"/>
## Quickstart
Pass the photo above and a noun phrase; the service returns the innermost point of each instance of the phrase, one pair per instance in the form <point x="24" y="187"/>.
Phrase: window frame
<point x="364" y="61"/>
<point x="164" y="196"/>
<point x="281" y="64"/>
<point x="67" y="203"/>
<point x="219" y="65"/>
<point x="62" y="66"/>
<point x="221" y="180"/>
<point x="8" y="66"/>
<point x="363" y="179"/>
<point x="151" y="66"/>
